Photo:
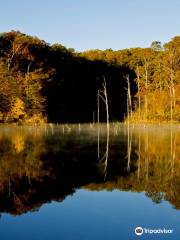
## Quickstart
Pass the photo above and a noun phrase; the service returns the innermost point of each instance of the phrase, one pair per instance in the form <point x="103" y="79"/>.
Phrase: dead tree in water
<point x="129" y="113"/>
<point x="129" y="102"/>
<point x="103" y="95"/>
<point x="105" y="99"/>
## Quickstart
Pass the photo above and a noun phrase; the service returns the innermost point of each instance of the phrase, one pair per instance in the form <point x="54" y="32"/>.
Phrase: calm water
<point x="75" y="182"/>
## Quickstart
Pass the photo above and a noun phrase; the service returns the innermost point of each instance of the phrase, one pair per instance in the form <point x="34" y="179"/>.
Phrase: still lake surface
<point x="75" y="182"/>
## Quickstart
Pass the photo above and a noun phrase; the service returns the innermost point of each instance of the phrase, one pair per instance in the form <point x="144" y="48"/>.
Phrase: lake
<point x="79" y="182"/>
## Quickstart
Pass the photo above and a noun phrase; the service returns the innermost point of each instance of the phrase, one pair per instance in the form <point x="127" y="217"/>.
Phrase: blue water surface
<point x="93" y="215"/>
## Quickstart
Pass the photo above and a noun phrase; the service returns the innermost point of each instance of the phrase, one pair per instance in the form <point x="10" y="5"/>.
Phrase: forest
<point x="43" y="83"/>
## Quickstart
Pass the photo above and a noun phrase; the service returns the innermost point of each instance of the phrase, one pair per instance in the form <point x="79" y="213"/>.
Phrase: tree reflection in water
<point x="38" y="165"/>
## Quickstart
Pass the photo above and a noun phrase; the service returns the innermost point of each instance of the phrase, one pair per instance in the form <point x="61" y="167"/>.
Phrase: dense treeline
<point x="40" y="82"/>
<point x="157" y="71"/>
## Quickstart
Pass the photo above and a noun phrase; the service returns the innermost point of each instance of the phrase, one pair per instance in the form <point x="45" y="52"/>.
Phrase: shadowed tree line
<point x="52" y="83"/>
<point x="41" y="83"/>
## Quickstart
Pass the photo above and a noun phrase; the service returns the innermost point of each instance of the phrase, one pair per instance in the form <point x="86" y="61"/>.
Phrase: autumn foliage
<point x="42" y="83"/>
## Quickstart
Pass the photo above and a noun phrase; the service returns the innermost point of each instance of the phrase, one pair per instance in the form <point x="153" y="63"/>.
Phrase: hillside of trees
<point x="42" y="83"/>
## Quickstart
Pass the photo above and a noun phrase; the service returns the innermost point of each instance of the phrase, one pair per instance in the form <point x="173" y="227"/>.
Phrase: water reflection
<point x="38" y="165"/>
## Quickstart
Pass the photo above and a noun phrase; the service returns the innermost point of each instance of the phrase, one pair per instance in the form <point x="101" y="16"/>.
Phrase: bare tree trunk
<point x="14" y="51"/>
<point x="172" y="89"/>
<point x="160" y="78"/>
<point x="107" y="119"/>
<point x="105" y="100"/>
<point x="107" y="106"/>
<point x="174" y="96"/>
<point x="171" y="102"/>
<point x="129" y="111"/>
<point x="139" y="100"/>
<point x="129" y="95"/>
<point x="146" y="85"/>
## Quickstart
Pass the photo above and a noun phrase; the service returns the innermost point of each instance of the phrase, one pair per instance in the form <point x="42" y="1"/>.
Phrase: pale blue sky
<point x="92" y="24"/>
